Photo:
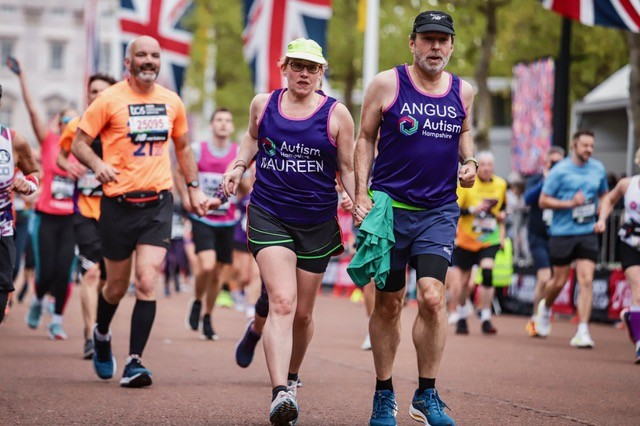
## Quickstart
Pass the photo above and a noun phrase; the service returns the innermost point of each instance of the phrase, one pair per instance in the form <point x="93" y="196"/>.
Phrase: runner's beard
<point x="423" y="63"/>
<point x="146" y="75"/>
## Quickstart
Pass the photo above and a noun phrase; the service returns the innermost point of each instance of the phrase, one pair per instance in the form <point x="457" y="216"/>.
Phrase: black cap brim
<point x="435" y="28"/>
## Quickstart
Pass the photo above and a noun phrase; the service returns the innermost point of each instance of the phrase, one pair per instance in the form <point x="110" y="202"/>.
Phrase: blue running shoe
<point x="428" y="409"/>
<point x="34" y="314"/>
<point x="135" y="375"/>
<point x="103" y="360"/>
<point x="246" y="347"/>
<point x="56" y="332"/>
<point x="384" y="409"/>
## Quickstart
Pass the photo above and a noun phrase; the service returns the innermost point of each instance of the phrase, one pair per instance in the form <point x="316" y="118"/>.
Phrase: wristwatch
<point x="193" y="184"/>
<point x="472" y="159"/>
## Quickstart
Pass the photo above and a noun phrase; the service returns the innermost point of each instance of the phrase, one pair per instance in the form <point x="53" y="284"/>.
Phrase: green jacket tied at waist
<point x="375" y="241"/>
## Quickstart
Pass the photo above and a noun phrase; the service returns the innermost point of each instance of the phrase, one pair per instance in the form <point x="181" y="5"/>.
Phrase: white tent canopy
<point x="606" y="111"/>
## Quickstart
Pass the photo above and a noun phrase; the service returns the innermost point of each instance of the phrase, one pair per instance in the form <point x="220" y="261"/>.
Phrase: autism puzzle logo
<point x="269" y="147"/>
<point x="407" y="125"/>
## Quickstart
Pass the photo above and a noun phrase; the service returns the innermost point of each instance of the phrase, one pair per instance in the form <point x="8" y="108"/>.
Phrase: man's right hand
<point x="578" y="198"/>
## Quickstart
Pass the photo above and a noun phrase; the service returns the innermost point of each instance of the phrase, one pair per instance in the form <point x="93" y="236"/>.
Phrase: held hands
<point x="361" y="210"/>
<point x="467" y="175"/>
<point x="231" y="180"/>
<point x="346" y="203"/>
<point x="199" y="203"/>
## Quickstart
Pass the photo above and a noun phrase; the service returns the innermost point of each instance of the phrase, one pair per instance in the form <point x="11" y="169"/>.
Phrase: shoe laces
<point x="383" y="404"/>
<point x="434" y="401"/>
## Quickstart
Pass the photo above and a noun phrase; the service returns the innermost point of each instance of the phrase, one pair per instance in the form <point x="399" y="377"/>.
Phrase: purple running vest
<point x="296" y="164"/>
<point x="417" y="162"/>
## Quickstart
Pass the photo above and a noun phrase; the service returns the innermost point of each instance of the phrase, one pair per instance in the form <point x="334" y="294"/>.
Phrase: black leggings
<point x="53" y="243"/>
<point x="4" y="296"/>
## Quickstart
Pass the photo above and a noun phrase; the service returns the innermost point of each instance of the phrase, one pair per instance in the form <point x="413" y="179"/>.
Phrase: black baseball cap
<point x="433" y="20"/>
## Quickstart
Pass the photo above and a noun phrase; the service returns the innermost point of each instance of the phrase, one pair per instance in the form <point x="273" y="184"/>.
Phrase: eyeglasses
<point x="299" y="66"/>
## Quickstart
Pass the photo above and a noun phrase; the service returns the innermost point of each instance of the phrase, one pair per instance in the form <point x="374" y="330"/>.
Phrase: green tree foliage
<point x="525" y="32"/>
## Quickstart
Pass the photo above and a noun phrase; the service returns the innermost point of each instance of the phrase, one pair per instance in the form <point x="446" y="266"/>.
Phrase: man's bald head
<point x="134" y="44"/>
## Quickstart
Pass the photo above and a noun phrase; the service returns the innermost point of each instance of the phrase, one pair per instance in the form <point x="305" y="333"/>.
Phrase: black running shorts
<point x="313" y="244"/>
<point x="465" y="259"/>
<point x="89" y="245"/>
<point x="565" y="249"/>
<point x="123" y="227"/>
<point x="628" y="255"/>
<point x="217" y="238"/>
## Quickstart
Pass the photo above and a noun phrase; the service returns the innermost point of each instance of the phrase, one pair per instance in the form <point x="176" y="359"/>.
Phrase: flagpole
<point x="371" y="43"/>
<point x="561" y="88"/>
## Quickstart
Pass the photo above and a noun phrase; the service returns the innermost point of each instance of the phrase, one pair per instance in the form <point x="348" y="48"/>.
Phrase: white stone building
<point x="48" y="37"/>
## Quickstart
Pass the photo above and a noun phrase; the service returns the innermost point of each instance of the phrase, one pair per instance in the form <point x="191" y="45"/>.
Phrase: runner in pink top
<point x="213" y="233"/>
<point x="52" y="235"/>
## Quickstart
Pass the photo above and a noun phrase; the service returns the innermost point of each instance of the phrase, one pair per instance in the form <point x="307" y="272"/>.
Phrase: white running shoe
<point x="543" y="320"/>
<point x="366" y="344"/>
<point x="582" y="341"/>
<point x="284" y="409"/>
<point x="453" y="318"/>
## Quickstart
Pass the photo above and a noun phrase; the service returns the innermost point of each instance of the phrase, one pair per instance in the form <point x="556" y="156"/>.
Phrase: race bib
<point x="547" y="216"/>
<point x="210" y="182"/>
<point x="149" y="127"/>
<point x="88" y="183"/>
<point x="484" y="223"/>
<point x="585" y="213"/>
<point x="629" y="233"/>
<point x="62" y="188"/>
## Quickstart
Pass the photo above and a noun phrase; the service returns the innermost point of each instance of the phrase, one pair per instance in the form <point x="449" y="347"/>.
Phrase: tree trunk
<point x="482" y="110"/>
<point x="634" y="83"/>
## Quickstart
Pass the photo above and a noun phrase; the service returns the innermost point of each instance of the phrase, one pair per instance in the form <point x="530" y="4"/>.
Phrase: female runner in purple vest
<point x="300" y="139"/>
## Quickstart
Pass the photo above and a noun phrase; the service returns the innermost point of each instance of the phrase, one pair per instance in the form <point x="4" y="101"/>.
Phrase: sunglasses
<point x="311" y="68"/>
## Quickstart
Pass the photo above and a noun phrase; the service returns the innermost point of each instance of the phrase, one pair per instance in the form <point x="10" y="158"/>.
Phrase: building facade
<point x="48" y="38"/>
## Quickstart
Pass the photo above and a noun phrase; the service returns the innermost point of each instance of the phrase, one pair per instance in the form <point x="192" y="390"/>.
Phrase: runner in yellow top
<point x="87" y="212"/>
<point x="135" y="118"/>
<point x="481" y="233"/>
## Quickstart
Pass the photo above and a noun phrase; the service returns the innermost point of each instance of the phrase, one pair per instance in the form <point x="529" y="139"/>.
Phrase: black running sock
<point x="144" y="312"/>
<point x="4" y="296"/>
<point x="292" y="376"/>
<point x="105" y="314"/>
<point x="384" y="385"/>
<point x="425" y="383"/>
<point x="276" y="390"/>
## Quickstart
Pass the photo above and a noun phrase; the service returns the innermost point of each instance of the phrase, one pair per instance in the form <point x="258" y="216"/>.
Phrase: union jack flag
<point x="164" y="21"/>
<point x="624" y="14"/>
<point x="270" y="25"/>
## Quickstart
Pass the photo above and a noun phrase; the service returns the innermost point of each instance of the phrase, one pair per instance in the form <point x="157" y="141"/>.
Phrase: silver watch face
<point x="194" y="184"/>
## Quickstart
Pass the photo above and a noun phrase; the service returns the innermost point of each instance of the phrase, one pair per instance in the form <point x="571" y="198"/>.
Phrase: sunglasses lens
<point x="299" y="66"/>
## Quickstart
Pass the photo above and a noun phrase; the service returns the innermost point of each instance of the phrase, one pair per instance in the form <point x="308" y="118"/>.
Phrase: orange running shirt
<point x="134" y="129"/>
<point x="87" y="205"/>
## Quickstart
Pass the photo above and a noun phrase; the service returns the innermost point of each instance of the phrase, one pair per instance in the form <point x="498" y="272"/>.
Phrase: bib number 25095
<point x="149" y="128"/>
